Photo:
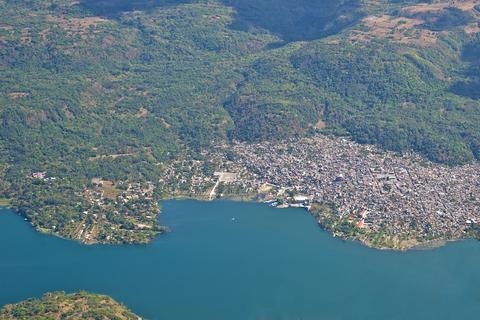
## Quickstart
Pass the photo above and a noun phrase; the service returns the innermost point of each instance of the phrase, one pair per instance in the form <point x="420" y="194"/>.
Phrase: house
<point x="300" y="198"/>
<point x="39" y="175"/>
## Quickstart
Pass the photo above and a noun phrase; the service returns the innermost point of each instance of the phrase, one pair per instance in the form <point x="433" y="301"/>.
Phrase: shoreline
<point x="5" y="203"/>
<point x="253" y="198"/>
<point x="415" y="245"/>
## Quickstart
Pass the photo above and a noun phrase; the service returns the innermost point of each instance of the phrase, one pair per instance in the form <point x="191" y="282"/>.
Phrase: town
<point x="356" y="191"/>
<point x="383" y="199"/>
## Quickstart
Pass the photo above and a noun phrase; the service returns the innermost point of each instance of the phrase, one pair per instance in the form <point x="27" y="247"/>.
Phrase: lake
<point x="266" y="264"/>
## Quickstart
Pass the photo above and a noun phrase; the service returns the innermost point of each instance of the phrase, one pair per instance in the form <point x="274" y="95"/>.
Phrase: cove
<point x="266" y="264"/>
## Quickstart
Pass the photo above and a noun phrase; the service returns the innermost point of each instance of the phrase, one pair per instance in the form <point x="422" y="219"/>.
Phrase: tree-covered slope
<point x="58" y="305"/>
<point x="98" y="94"/>
<point x="291" y="20"/>
<point x="395" y="97"/>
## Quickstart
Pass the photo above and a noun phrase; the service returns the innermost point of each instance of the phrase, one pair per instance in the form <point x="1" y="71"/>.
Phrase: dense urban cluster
<point x="381" y="198"/>
<point x="378" y="191"/>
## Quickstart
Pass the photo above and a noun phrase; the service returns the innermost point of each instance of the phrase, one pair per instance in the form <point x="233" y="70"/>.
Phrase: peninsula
<point x="59" y="305"/>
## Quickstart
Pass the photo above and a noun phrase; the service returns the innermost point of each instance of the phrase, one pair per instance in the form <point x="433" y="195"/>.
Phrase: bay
<point x="232" y="260"/>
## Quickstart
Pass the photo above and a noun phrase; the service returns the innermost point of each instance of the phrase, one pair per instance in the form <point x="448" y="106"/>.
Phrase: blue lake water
<point x="267" y="264"/>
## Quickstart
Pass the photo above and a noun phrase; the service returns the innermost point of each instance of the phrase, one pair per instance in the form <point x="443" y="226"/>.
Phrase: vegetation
<point x="112" y="89"/>
<point x="353" y="228"/>
<point x="290" y="20"/>
<point x="393" y="99"/>
<point x="58" y="305"/>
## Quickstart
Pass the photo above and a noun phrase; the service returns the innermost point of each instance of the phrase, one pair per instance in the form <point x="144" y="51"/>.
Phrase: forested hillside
<point x="112" y="89"/>
<point x="59" y="305"/>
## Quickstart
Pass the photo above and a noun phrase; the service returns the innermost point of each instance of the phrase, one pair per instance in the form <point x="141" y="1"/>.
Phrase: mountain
<point x="96" y="95"/>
